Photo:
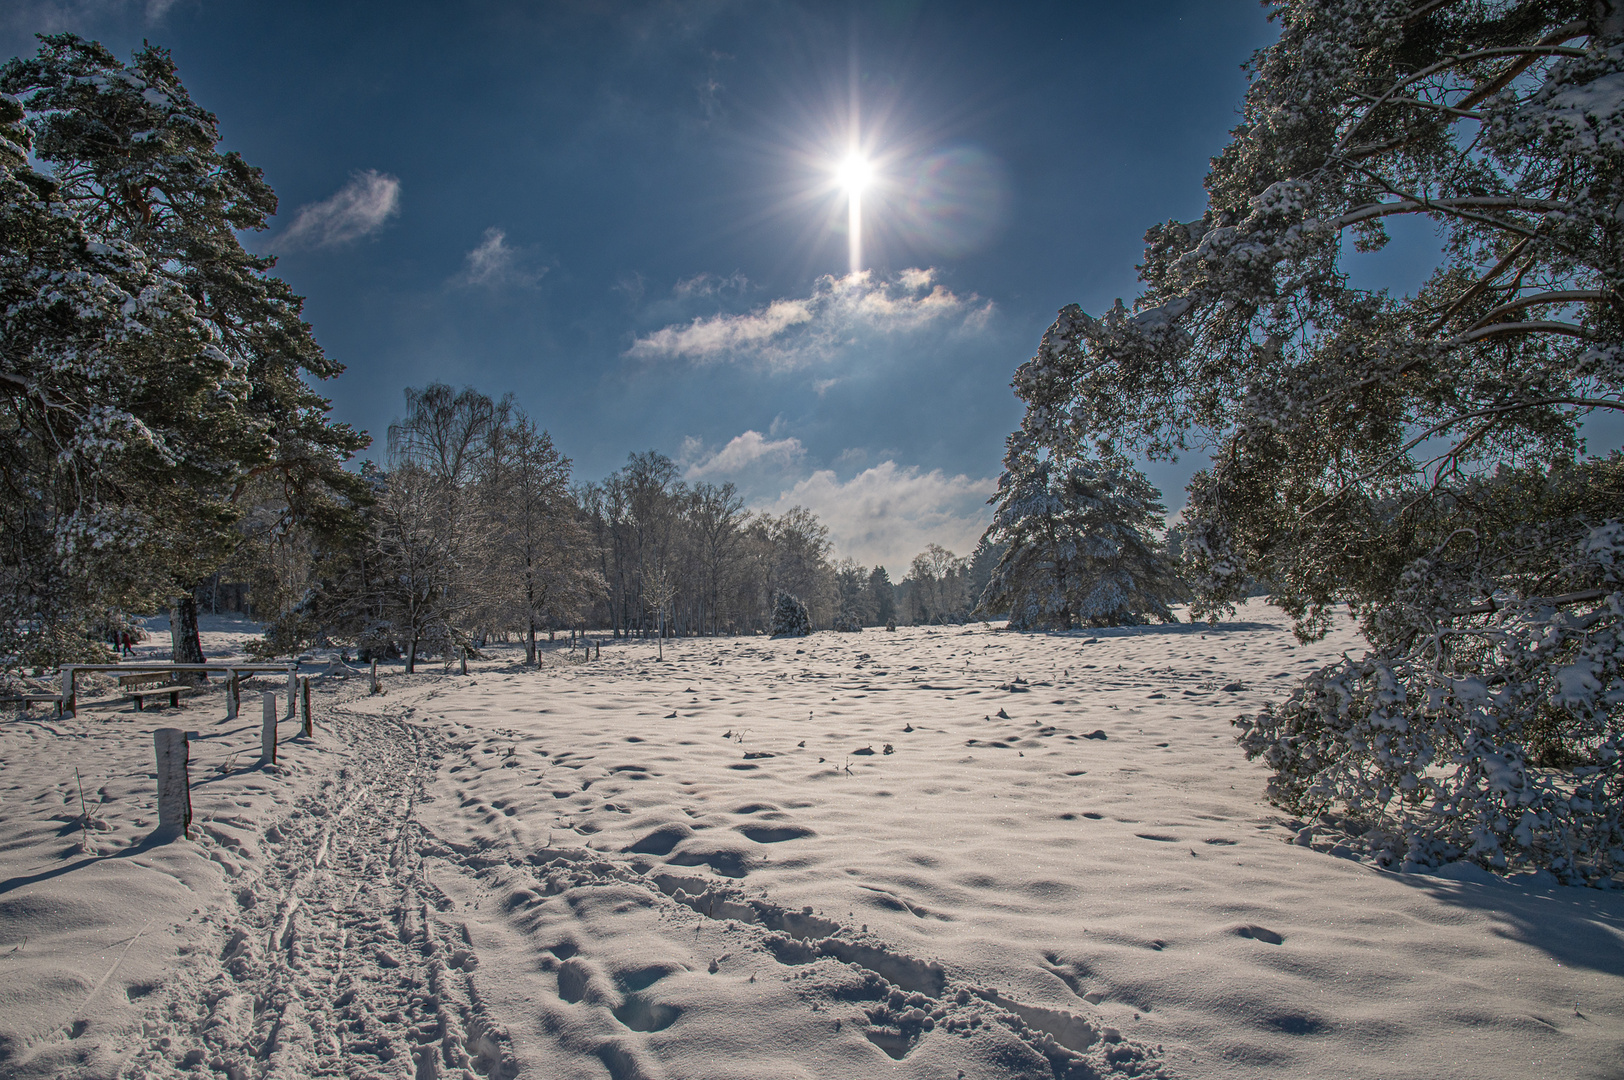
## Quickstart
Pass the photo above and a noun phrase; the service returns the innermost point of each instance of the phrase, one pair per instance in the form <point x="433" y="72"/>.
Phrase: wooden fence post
<point x="465" y="660"/>
<point x="70" y="702"/>
<point x="304" y="698"/>
<point x="267" y="731"/>
<point x="174" y="786"/>
<point x="293" y="686"/>
<point x="233" y="700"/>
<point x="374" y="675"/>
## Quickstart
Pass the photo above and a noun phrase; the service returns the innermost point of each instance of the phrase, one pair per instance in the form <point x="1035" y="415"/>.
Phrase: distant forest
<point x="474" y="531"/>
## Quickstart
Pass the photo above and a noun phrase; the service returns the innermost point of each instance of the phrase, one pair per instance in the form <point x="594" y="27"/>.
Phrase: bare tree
<point x="541" y="569"/>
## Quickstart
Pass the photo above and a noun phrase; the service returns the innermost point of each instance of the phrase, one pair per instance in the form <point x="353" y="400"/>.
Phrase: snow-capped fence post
<point x="293" y="687"/>
<point x="174" y="786"/>
<point x="304" y="700"/>
<point x="267" y="731"/>
<point x="374" y="675"/>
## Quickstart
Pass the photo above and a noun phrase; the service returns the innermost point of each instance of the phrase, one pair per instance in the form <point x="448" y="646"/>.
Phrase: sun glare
<point x="854" y="173"/>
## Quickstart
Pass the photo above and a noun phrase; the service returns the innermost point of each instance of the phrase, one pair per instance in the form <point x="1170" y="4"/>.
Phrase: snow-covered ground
<point x="1054" y="862"/>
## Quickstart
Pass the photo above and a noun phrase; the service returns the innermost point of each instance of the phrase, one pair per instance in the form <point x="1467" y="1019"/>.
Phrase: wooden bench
<point x="26" y="700"/>
<point x="152" y="684"/>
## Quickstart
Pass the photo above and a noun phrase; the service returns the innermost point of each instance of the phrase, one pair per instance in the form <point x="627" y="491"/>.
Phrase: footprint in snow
<point x="1259" y="933"/>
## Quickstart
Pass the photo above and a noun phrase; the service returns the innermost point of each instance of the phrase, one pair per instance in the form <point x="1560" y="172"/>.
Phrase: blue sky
<point x="622" y="213"/>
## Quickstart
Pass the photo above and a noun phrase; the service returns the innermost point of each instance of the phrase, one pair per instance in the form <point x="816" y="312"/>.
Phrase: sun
<point x="854" y="173"/>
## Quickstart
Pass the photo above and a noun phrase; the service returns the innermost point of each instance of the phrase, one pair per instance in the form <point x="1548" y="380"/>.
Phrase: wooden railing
<point x="233" y="673"/>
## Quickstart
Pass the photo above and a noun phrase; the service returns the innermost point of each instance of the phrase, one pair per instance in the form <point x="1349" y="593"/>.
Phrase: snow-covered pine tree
<point x="1416" y="457"/>
<point x="1079" y="544"/>
<point x="135" y="162"/>
<point x="790" y="618"/>
<point x="117" y="403"/>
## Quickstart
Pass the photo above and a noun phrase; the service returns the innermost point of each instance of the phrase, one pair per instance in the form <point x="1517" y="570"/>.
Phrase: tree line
<point x="473" y="530"/>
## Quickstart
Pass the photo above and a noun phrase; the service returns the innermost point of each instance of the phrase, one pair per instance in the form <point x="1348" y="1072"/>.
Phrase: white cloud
<point x="790" y="333"/>
<point x="888" y="514"/>
<point x="750" y="451"/>
<point x="359" y="208"/>
<point x="493" y="264"/>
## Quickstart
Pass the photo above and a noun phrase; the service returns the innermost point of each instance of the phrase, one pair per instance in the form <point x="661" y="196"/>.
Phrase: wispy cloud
<point x="50" y="16"/>
<point x="495" y="263"/>
<point x="705" y="285"/>
<point x="743" y="453"/>
<point x="889" y="513"/>
<point x="359" y="208"/>
<point x="790" y="333"/>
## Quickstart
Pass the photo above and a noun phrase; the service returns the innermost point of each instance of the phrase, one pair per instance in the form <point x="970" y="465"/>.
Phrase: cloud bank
<point x="789" y="333"/>
<point x="888" y="514"/>
<point x="359" y="208"/>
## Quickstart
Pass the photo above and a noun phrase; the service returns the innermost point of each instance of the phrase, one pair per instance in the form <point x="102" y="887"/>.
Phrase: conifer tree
<point x="118" y="407"/>
<point x="790" y="618"/>
<point x="1418" y="457"/>
<point x="1079" y="544"/>
<point x="136" y="164"/>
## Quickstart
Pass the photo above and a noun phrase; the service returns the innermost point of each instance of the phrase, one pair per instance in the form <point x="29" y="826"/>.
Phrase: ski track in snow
<point x="935" y="853"/>
<point x="337" y="962"/>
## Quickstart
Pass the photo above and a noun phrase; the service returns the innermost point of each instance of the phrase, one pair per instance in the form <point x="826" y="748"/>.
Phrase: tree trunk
<point x="185" y="647"/>
<point x="530" y="644"/>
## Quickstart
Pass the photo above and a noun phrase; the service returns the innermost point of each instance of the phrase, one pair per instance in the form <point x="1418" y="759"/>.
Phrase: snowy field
<point x="934" y="853"/>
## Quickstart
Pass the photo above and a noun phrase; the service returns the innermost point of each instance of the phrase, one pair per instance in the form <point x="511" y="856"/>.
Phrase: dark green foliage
<point x="790" y="618"/>
<point x="153" y="373"/>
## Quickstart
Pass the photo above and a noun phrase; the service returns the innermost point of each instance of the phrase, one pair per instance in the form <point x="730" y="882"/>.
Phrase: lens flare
<point x="955" y="202"/>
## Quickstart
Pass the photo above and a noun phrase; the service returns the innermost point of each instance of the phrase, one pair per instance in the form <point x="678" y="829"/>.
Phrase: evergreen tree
<point x="1416" y="457"/>
<point x="1079" y="544"/>
<point x="123" y="422"/>
<point x="790" y="618"/>
<point x="134" y="162"/>
<point x="982" y="563"/>
<point x="883" y="596"/>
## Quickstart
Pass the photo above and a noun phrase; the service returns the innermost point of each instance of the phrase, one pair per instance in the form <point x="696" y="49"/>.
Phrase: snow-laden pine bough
<point x="1497" y="737"/>
<point x="1418" y="458"/>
